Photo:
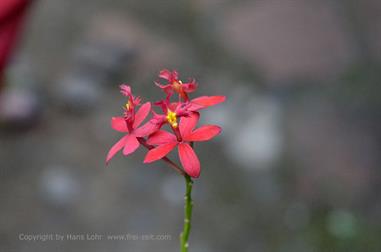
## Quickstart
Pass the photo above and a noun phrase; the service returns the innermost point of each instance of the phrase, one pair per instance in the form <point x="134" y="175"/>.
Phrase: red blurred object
<point x="12" y="13"/>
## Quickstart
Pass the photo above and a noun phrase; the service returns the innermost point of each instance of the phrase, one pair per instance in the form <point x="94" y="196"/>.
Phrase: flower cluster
<point x="181" y="115"/>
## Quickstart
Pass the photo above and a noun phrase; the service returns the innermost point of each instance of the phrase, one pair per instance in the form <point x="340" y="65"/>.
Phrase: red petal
<point x="173" y="106"/>
<point x="188" y="123"/>
<point x="142" y="114"/>
<point x="161" y="137"/>
<point x="175" y="75"/>
<point x="125" y="90"/>
<point x="119" y="124"/>
<point x="116" y="147"/>
<point x="203" y="133"/>
<point x="165" y="74"/>
<point x="190" y="87"/>
<point x="162" y="86"/>
<point x="131" y="145"/>
<point x="159" y="152"/>
<point x="189" y="160"/>
<point x="147" y="129"/>
<point x="205" y="101"/>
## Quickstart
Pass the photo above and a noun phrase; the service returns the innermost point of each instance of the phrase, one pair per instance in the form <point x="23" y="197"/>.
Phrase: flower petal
<point x="119" y="124"/>
<point x="125" y="90"/>
<point x="174" y="105"/>
<point x="116" y="147"/>
<point x="205" y="101"/>
<point x="189" y="160"/>
<point x="147" y="129"/>
<point x="190" y="86"/>
<point x="175" y="75"/>
<point x="203" y="133"/>
<point x="162" y="86"/>
<point x="142" y="114"/>
<point x="161" y="137"/>
<point x="188" y="123"/>
<point x="165" y="74"/>
<point x="131" y="145"/>
<point x="159" y="152"/>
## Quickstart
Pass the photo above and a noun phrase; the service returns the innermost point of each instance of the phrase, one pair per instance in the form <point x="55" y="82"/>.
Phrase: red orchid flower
<point x="166" y="142"/>
<point x="175" y="84"/>
<point x="173" y="111"/>
<point x="130" y="124"/>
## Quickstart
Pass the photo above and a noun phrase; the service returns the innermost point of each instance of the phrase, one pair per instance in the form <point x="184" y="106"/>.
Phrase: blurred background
<point x="295" y="169"/>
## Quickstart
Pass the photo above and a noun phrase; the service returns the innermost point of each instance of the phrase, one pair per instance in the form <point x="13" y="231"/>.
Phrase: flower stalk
<point x="188" y="206"/>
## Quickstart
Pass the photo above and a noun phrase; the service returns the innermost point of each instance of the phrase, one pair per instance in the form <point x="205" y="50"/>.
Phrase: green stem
<point x="187" y="214"/>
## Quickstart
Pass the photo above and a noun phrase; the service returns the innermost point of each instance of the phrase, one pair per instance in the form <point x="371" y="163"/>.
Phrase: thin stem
<point x="184" y="236"/>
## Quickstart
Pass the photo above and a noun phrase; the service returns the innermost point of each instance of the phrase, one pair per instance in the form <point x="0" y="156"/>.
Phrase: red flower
<point x="166" y="142"/>
<point x="130" y="124"/>
<point x="175" y="110"/>
<point x="176" y="85"/>
<point x="182" y="116"/>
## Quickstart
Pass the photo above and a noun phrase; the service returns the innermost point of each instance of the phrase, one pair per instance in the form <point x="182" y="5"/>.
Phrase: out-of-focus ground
<point x="297" y="167"/>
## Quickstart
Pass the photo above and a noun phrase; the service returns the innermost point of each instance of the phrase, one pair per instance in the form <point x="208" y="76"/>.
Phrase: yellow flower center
<point x="172" y="119"/>
<point x="128" y="105"/>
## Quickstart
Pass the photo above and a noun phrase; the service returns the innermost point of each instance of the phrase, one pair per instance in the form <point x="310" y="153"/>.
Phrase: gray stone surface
<point x="288" y="39"/>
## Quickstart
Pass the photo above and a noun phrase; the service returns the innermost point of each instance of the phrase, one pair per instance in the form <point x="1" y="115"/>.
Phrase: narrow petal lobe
<point x="189" y="160"/>
<point x="142" y="114"/>
<point x="147" y="129"/>
<point x="165" y="74"/>
<point x="188" y="123"/>
<point x="190" y="87"/>
<point x="115" y="148"/>
<point x="159" y="152"/>
<point x="161" y="137"/>
<point x="119" y="124"/>
<point x="205" y="101"/>
<point x="203" y="133"/>
<point x="131" y="145"/>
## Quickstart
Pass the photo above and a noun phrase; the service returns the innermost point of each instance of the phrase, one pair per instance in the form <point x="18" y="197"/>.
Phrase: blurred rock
<point x="19" y="109"/>
<point x="21" y="72"/>
<point x="251" y="129"/>
<point x="297" y="216"/>
<point x="288" y="39"/>
<point x="336" y="157"/>
<point x="366" y="26"/>
<point x="20" y="102"/>
<point x="58" y="187"/>
<point x="100" y="58"/>
<point x="342" y="224"/>
<point x="171" y="189"/>
<point x="150" y="51"/>
<point x="103" y="60"/>
<point x="265" y="189"/>
<point x="78" y="94"/>
<point x="201" y="246"/>
<point x="297" y="245"/>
